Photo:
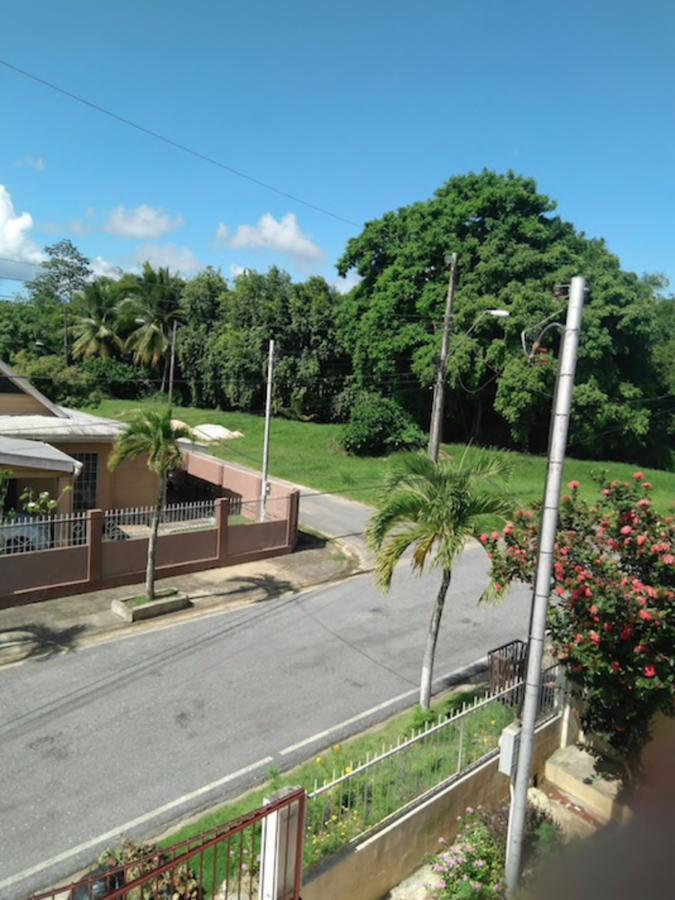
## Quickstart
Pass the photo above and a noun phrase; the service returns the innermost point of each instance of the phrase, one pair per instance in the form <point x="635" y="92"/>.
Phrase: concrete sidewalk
<point x="54" y="626"/>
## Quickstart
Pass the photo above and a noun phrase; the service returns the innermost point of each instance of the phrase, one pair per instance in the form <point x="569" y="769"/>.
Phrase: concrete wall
<point x="32" y="577"/>
<point x="371" y="868"/>
<point x="26" y="571"/>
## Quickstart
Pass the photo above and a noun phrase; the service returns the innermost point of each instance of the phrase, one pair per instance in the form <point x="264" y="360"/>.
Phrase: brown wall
<point x="237" y="481"/>
<point x="31" y="577"/>
<point x="22" y="405"/>
<point x="27" y="571"/>
<point x="132" y="484"/>
<point x="371" y="868"/>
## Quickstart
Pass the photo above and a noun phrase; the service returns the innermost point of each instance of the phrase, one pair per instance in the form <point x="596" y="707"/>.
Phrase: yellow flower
<point x="348" y="770"/>
<point x="493" y="721"/>
<point x="337" y="748"/>
<point x="333" y="818"/>
<point x="318" y="760"/>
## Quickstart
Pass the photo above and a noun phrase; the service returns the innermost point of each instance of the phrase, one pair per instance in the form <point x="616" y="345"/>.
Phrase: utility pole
<point x="172" y="362"/>
<point x="542" y="587"/>
<point x="266" y="442"/>
<point x="438" y="405"/>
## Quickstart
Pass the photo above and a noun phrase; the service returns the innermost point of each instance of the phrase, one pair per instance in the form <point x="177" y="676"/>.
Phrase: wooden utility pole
<point x="436" y="426"/>
<point x="172" y="361"/>
<point x="266" y="441"/>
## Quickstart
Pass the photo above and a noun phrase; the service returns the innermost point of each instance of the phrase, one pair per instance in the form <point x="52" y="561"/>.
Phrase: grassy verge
<point x="142" y="600"/>
<point x="309" y="454"/>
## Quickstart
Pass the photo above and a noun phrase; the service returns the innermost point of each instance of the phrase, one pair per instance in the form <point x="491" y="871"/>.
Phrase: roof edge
<point x="24" y="384"/>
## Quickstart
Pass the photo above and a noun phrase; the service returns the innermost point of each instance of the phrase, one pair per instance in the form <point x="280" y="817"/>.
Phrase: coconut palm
<point x="435" y="508"/>
<point x="95" y="327"/>
<point x="151" y="308"/>
<point x="152" y="434"/>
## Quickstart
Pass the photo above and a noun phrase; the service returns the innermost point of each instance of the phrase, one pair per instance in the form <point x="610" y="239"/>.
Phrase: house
<point x="50" y="448"/>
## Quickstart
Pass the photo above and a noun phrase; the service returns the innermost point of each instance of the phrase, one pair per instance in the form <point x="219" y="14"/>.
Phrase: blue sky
<point x="358" y="107"/>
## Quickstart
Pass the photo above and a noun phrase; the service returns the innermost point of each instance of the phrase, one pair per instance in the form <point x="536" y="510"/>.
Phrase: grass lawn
<point x="310" y="454"/>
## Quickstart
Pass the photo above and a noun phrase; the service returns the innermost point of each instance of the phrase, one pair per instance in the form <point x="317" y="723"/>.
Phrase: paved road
<point x="147" y="729"/>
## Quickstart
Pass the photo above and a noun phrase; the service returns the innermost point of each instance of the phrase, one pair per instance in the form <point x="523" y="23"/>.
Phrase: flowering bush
<point x="613" y="617"/>
<point x="473" y="867"/>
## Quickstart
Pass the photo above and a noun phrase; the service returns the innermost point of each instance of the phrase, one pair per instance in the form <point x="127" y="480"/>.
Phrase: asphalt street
<point x="136" y="733"/>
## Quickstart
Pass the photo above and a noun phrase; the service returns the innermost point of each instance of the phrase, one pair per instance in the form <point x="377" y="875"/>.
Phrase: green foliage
<point x="65" y="273"/>
<point x="118" y="378"/>
<point x="148" y="312"/>
<point x="63" y="384"/>
<point x="512" y="253"/>
<point x="378" y="426"/>
<point x="95" y="322"/>
<point x="613" y="622"/>
<point x="153" y="434"/>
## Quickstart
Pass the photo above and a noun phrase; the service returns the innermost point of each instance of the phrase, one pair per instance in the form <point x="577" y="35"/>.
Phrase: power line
<point x="176" y="144"/>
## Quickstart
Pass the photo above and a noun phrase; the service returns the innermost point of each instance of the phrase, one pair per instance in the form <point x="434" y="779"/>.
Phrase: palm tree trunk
<point x="432" y="637"/>
<point x="152" y="543"/>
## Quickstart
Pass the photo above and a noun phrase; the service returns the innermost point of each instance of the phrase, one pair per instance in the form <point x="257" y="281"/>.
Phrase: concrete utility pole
<point x="438" y="405"/>
<point x="542" y="587"/>
<point x="266" y="442"/>
<point x="173" y="359"/>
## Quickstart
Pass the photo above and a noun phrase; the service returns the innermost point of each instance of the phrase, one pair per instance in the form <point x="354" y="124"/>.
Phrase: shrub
<point x="117" y="378"/>
<point x="378" y="425"/>
<point x="613" y="622"/>
<point x="68" y="385"/>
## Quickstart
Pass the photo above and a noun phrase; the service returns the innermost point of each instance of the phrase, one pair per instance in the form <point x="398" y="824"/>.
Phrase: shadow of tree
<point x="309" y="541"/>
<point x="46" y="642"/>
<point x="270" y="585"/>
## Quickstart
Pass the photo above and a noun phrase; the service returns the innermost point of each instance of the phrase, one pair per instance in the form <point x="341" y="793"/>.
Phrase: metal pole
<point x="436" y="425"/>
<point x="542" y="585"/>
<point x="266" y="442"/>
<point x="173" y="359"/>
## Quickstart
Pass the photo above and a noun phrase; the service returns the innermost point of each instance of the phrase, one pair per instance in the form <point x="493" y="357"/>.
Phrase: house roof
<point x="36" y="455"/>
<point x="70" y="425"/>
<point x="24" y="385"/>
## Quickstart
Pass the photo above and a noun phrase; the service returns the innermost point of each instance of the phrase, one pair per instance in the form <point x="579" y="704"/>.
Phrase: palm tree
<point x="151" y="308"/>
<point x="435" y="508"/>
<point x="154" y="434"/>
<point x="95" y="326"/>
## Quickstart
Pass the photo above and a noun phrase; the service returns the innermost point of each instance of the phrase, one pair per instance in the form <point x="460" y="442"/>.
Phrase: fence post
<point x="292" y="521"/>
<point x="281" y="849"/>
<point x="95" y="522"/>
<point x="222" y="515"/>
<point x="462" y="729"/>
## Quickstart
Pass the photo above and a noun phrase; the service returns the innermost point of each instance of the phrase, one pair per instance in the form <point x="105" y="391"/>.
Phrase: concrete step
<point x="574" y="773"/>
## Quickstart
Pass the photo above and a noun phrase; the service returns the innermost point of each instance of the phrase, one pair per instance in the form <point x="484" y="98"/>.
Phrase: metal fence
<point x="26" y="534"/>
<point x="506" y="664"/>
<point x="366" y="794"/>
<point x="135" y="522"/>
<point x="221" y="864"/>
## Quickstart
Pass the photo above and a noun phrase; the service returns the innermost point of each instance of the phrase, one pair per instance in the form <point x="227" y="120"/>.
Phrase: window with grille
<point x="85" y="492"/>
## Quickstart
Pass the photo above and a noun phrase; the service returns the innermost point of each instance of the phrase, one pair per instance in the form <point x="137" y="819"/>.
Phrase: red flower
<point x="640" y="649"/>
<point x="648" y="485"/>
<point x="574" y="485"/>
<point x="639" y="476"/>
<point x="495" y="535"/>
<point x="484" y="538"/>
<point x="641" y="540"/>
<point x="499" y="587"/>
<point x="594" y="610"/>
<point x="595" y="638"/>
<point x="607" y="627"/>
<point x="668" y="559"/>
<point x="616" y="667"/>
<point x="626" y="529"/>
<point x="650" y="671"/>
<point x="646" y="616"/>
<point x="578" y="638"/>
<point x="627" y="633"/>
<point x="508" y="529"/>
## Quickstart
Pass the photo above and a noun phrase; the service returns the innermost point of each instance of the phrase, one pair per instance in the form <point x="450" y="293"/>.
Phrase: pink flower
<point x="495" y="535"/>
<point x="646" y="616"/>
<point x="574" y="485"/>
<point x="669" y="559"/>
<point x="595" y="638"/>
<point x="650" y="671"/>
<point x="626" y="529"/>
<point x="616" y="666"/>
<point x="627" y="633"/>
<point x="606" y="492"/>
<point x="648" y="485"/>
<point x="639" y="476"/>
<point x="641" y="540"/>
<point x="508" y="529"/>
<point x="484" y="538"/>
<point x="499" y="587"/>
<point x="594" y="609"/>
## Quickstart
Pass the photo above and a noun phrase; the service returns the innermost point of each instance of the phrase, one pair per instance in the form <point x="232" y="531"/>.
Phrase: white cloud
<point x="236" y="271"/>
<point x="283" y="235"/>
<point x="102" y="267"/>
<point x="222" y="234"/>
<point x="344" y="285"/>
<point x="32" y="162"/>
<point x="177" y="259"/>
<point x="20" y="254"/>
<point x="142" y="223"/>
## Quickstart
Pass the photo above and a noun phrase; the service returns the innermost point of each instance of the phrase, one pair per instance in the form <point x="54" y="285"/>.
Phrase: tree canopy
<point x="513" y="252"/>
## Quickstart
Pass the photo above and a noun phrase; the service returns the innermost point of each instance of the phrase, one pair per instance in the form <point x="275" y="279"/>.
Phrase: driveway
<point x="134" y="734"/>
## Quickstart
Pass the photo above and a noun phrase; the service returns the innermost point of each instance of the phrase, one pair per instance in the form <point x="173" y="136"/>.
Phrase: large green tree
<point x="95" y="326"/>
<point x="513" y="252"/>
